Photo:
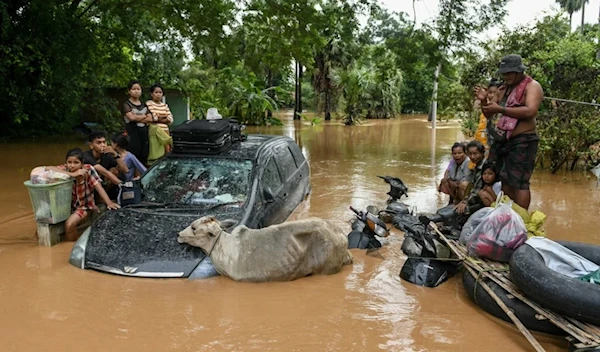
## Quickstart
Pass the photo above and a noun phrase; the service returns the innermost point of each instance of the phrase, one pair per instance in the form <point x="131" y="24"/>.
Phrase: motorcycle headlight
<point x="77" y="257"/>
<point x="381" y="231"/>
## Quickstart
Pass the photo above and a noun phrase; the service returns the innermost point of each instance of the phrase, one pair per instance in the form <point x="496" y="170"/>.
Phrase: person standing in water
<point x="86" y="182"/>
<point x="137" y="117"/>
<point x="511" y="125"/>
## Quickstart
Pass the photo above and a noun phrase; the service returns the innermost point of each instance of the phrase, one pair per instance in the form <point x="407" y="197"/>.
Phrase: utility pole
<point x="434" y="95"/>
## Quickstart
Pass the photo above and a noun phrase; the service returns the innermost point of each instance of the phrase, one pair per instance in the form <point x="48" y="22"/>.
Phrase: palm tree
<point x="570" y="6"/>
<point x="355" y="84"/>
<point x="583" y="14"/>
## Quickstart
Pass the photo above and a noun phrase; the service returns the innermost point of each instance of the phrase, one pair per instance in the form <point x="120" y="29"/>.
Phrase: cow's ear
<point x="228" y="223"/>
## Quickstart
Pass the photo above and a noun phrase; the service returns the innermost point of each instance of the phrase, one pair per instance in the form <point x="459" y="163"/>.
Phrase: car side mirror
<point x="268" y="195"/>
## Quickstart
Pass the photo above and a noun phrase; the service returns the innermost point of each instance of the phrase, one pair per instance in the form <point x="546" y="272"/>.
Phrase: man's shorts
<point x="516" y="160"/>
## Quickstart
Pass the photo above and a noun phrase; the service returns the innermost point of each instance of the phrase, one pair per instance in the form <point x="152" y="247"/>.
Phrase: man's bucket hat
<point x="511" y="63"/>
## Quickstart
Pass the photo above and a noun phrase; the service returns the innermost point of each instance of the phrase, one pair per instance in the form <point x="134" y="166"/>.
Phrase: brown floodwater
<point x="46" y="304"/>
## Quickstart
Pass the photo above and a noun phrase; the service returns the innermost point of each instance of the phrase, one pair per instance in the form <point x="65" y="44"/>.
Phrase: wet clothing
<point x="82" y="195"/>
<point x="516" y="97"/>
<point x="514" y="155"/>
<point x="106" y="160"/>
<point x="460" y="172"/>
<point x="516" y="159"/>
<point x="137" y="131"/>
<point x="158" y="140"/>
<point x="472" y="198"/>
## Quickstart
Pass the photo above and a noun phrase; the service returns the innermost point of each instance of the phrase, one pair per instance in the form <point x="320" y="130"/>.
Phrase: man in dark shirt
<point x="105" y="159"/>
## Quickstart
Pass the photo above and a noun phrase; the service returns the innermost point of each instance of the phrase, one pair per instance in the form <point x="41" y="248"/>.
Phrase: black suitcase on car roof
<point x="205" y="136"/>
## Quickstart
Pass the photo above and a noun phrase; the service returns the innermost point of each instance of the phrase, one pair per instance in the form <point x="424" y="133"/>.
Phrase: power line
<point x="572" y="101"/>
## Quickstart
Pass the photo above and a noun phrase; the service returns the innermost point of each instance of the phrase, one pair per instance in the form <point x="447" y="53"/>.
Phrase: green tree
<point x="570" y="6"/>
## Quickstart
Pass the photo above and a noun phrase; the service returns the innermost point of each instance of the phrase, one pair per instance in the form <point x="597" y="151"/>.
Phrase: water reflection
<point x="46" y="302"/>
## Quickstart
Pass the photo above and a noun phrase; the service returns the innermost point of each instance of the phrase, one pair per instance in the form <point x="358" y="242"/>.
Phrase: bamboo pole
<point x="536" y="345"/>
<point x="582" y="332"/>
<point x="508" y="312"/>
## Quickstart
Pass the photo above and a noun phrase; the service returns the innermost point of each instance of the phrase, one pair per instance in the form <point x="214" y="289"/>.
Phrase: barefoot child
<point x="86" y="181"/>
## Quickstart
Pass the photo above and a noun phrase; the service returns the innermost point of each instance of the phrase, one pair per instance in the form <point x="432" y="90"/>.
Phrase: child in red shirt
<point x="86" y="181"/>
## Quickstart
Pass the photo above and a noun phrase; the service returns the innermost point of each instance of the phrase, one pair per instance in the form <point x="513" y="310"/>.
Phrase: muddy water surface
<point x="46" y="304"/>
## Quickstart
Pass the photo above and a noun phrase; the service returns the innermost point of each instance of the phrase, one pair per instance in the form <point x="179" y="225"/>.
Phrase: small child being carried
<point x="86" y="181"/>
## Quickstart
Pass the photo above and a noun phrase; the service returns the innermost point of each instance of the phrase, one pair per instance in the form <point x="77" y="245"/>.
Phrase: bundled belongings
<point x="206" y="136"/>
<point x="498" y="235"/>
<point x="550" y="273"/>
<point x="472" y="223"/>
<point x="533" y="221"/>
<point x="41" y="176"/>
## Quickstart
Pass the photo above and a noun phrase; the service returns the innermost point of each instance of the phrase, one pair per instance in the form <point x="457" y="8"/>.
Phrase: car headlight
<point x="204" y="270"/>
<point x="77" y="257"/>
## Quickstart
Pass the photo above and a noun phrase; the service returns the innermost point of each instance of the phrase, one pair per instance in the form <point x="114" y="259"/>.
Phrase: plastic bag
<point x="514" y="206"/>
<point x="41" y="176"/>
<point x="498" y="235"/>
<point x="472" y="223"/>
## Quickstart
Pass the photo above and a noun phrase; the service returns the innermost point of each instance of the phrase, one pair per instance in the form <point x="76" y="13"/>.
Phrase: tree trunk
<point x="270" y="93"/>
<point x="570" y="21"/>
<point x="582" y="15"/>
<point x="327" y="102"/>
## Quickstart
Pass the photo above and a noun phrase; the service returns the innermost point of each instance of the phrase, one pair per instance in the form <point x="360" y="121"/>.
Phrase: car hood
<point x="143" y="242"/>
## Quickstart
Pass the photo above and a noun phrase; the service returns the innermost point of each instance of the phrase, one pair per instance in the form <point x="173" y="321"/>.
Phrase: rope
<point x="572" y="101"/>
<point x="479" y="275"/>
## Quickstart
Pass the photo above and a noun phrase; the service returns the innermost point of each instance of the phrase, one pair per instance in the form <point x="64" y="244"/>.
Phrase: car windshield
<point x="197" y="180"/>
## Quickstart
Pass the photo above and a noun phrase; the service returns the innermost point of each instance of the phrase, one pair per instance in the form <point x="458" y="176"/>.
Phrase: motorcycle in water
<point x="364" y="229"/>
<point x="397" y="188"/>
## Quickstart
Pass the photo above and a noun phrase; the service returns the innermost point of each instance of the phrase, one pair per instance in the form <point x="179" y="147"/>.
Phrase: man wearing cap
<point x="511" y="127"/>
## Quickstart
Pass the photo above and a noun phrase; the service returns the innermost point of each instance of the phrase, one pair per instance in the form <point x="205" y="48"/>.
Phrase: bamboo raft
<point x="582" y="335"/>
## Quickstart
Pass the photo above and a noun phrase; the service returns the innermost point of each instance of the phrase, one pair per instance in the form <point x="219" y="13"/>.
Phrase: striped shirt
<point x="159" y="111"/>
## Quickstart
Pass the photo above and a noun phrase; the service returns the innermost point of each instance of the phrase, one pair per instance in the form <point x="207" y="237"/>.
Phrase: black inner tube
<point x="568" y="296"/>
<point x="525" y="313"/>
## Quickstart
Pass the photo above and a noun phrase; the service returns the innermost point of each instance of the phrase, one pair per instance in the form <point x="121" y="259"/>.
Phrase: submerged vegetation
<point x="342" y="59"/>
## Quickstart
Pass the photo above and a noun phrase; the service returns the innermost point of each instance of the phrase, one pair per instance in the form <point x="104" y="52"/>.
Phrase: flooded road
<point x="47" y="304"/>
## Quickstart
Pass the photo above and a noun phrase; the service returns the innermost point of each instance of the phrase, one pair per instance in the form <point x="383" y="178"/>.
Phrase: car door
<point x="292" y="192"/>
<point x="270" y="193"/>
<point x="302" y="176"/>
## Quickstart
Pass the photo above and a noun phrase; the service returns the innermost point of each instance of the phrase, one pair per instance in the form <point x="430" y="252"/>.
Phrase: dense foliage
<point x="348" y="59"/>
